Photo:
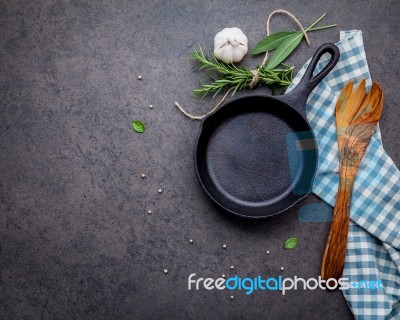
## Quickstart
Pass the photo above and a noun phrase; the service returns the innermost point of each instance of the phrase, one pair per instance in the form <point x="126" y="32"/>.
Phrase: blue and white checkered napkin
<point x="373" y="249"/>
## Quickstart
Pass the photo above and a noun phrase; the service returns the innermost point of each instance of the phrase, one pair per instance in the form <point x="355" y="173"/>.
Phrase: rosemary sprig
<point x="237" y="77"/>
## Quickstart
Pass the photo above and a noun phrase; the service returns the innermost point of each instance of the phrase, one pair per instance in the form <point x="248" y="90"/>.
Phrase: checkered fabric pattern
<point x="373" y="249"/>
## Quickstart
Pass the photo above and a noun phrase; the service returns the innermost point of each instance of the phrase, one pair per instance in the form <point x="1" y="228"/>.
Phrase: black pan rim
<point x="215" y="201"/>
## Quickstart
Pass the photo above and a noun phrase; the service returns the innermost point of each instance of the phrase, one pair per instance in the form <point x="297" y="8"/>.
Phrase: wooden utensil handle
<point x="335" y="249"/>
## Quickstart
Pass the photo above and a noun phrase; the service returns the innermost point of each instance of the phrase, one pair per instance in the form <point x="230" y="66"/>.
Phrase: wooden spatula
<point x="357" y="115"/>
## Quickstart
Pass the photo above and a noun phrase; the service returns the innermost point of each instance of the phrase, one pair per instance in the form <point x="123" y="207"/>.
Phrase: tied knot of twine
<point x="255" y="78"/>
<point x="255" y="72"/>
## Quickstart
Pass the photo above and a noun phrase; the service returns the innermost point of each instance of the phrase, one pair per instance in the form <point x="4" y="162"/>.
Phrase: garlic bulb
<point x="230" y="45"/>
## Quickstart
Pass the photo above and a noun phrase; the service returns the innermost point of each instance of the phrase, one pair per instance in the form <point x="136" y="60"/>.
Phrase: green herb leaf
<point x="285" y="49"/>
<point x="138" y="126"/>
<point x="290" y="243"/>
<point x="271" y="42"/>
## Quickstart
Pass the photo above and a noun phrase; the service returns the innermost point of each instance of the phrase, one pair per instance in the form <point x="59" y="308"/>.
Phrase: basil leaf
<point x="285" y="49"/>
<point x="271" y="42"/>
<point x="138" y="126"/>
<point x="290" y="243"/>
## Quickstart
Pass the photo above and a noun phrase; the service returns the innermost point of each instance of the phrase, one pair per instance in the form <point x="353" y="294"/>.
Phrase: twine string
<point x="193" y="117"/>
<point x="254" y="72"/>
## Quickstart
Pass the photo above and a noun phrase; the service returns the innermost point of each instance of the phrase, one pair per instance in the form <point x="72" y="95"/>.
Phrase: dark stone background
<point x="76" y="241"/>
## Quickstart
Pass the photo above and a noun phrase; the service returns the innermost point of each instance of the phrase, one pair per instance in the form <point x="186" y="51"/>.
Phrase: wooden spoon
<point x="357" y="115"/>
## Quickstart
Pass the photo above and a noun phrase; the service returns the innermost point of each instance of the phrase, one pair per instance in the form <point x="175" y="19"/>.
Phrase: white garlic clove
<point x="230" y="45"/>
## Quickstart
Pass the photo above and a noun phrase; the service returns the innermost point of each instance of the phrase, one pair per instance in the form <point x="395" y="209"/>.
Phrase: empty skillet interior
<point x="257" y="157"/>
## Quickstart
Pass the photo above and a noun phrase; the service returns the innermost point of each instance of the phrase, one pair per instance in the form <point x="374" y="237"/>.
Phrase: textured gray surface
<point x="76" y="241"/>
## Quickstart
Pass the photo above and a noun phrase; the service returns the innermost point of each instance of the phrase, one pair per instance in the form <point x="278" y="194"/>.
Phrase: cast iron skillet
<point x="257" y="155"/>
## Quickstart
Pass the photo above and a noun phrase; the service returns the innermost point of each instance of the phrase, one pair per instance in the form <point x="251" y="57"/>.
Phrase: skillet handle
<point x="297" y="98"/>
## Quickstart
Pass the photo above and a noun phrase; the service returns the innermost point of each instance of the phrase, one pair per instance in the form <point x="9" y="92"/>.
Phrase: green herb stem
<point x="322" y="28"/>
<point x="311" y="28"/>
<point x="316" y="22"/>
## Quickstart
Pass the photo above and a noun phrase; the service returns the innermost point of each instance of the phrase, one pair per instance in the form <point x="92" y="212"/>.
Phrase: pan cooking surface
<point x="247" y="160"/>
